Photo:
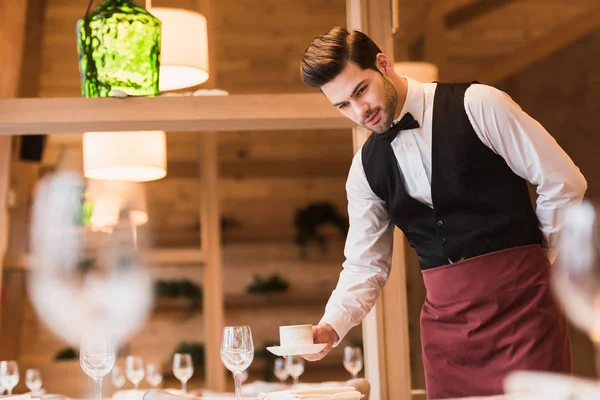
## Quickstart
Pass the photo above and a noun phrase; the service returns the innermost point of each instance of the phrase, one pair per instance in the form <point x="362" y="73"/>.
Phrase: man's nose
<point x="361" y="109"/>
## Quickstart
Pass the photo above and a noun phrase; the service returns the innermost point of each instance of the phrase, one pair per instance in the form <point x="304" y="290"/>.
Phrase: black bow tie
<point x="406" y="122"/>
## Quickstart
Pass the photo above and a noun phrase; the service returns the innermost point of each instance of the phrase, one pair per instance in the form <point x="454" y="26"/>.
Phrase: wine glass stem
<point x="184" y="387"/>
<point x="237" y="379"/>
<point x="136" y="385"/>
<point x="354" y="375"/>
<point x="296" y="380"/>
<point x="98" y="388"/>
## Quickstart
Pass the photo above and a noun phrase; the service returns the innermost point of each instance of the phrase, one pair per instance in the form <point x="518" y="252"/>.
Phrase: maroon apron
<point x="486" y="316"/>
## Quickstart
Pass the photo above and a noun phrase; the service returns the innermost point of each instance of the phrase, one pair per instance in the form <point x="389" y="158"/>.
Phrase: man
<point x="448" y="164"/>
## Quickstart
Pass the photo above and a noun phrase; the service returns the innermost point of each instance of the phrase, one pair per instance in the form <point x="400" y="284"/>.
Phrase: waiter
<point x="448" y="163"/>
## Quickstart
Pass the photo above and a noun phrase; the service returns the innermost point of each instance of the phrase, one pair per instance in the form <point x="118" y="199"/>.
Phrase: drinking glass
<point x="134" y="369"/>
<point x="153" y="375"/>
<point x="294" y="365"/>
<point x="96" y="358"/>
<point x="85" y="281"/>
<point x="353" y="360"/>
<point x="237" y="353"/>
<point x="183" y="369"/>
<point x="33" y="379"/>
<point x="118" y="377"/>
<point x="9" y="375"/>
<point x="575" y="275"/>
<point x="279" y="369"/>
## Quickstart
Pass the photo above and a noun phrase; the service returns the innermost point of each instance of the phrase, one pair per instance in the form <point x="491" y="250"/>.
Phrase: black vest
<point x="479" y="204"/>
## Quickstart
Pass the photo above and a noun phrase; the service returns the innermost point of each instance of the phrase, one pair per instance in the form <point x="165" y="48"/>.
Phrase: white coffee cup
<point x="295" y="335"/>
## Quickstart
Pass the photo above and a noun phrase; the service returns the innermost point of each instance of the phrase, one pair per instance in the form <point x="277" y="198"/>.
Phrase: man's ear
<point x="384" y="64"/>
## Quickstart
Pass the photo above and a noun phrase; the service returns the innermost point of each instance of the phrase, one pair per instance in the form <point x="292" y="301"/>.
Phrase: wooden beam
<point x="185" y="256"/>
<point x="385" y="329"/>
<point x="13" y="17"/>
<point x="211" y="249"/>
<point x="541" y="48"/>
<point x="472" y="10"/>
<point x="210" y="235"/>
<point x="176" y="256"/>
<point x="170" y="113"/>
<point x="268" y="168"/>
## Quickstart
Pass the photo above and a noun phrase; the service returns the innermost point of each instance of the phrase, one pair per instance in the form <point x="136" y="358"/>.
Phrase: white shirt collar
<point x="413" y="104"/>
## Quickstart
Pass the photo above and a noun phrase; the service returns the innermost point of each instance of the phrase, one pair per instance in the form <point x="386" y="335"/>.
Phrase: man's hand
<point x="322" y="333"/>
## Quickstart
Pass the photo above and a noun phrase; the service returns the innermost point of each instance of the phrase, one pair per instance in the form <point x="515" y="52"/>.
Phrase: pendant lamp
<point x="119" y="48"/>
<point x="184" y="48"/>
<point x="138" y="156"/>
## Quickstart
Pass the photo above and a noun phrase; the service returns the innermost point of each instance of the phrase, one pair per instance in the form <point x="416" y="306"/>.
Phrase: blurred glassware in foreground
<point x="82" y="281"/>
<point x="576" y="271"/>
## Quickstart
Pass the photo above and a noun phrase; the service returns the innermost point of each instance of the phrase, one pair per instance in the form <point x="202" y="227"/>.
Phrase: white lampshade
<point x="419" y="71"/>
<point x="183" y="49"/>
<point x="138" y="156"/>
<point x="110" y="198"/>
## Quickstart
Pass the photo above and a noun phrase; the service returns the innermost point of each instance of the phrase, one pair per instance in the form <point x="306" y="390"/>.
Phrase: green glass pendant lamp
<point x="119" y="50"/>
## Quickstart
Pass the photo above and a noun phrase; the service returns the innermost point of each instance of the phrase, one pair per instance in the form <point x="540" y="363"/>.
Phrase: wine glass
<point x="134" y="369"/>
<point x="183" y="369"/>
<point x="9" y="375"/>
<point x="279" y="369"/>
<point x="237" y="353"/>
<point x="153" y="375"/>
<point x="33" y="379"/>
<point x="294" y="365"/>
<point x="353" y="360"/>
<point x="118" y="377"/>
<point x="83" y="280"/>
<point x="97" y="358"/>
<point x="575" y="275"/>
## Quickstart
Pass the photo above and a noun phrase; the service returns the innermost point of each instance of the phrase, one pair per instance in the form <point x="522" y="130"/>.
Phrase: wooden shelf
<point x="20" y="116"/>
<point x="250" y="300"/>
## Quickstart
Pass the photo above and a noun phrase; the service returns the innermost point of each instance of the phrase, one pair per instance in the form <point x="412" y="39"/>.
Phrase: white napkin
<point x="326" y="393"/>
<point x="25" y="396"/>
<point x="529" y="385"/>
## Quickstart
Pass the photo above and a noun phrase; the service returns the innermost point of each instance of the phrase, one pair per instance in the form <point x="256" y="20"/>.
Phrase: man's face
<point x="365" y="96"/>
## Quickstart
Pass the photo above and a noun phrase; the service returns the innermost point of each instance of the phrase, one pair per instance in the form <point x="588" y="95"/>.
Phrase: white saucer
<point x="300" y="350"/>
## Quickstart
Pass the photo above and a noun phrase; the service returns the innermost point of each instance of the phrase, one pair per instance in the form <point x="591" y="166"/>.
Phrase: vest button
<point x="440" y="223"/>
<point x="443" y="240"/>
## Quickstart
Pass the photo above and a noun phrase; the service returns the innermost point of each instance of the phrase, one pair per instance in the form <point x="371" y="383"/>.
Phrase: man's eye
<point x="342" y="106"/>
<point x="361" y="90"/>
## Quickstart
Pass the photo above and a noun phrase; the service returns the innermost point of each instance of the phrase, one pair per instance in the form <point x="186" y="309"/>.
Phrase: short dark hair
<point x="327" y="55"/>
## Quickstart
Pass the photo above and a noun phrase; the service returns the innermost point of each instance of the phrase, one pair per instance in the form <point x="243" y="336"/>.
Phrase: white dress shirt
<point x="529" y="150"/>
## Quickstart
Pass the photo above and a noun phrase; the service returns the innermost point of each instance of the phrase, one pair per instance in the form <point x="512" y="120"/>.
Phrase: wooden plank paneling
<point x="558" y="38"/>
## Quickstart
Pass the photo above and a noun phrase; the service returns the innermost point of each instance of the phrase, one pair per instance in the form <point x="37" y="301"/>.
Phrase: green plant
<point x="66" y="354"/>
<point x="270" y="284"/>
<point x="183" y="288"/>
<point x="196" y="350"/>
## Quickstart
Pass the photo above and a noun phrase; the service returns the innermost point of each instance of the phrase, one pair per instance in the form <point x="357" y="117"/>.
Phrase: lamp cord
<point x="87" y="11"/>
